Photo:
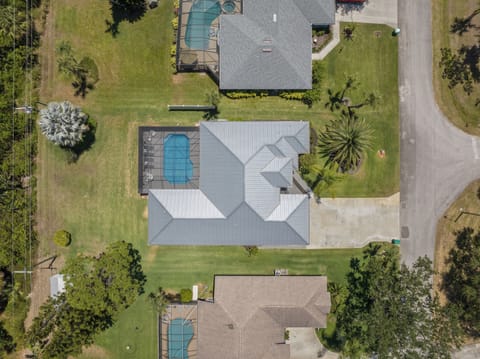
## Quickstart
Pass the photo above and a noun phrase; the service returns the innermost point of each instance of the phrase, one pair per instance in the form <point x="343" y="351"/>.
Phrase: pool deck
<point x="203" y="58"/>
<point x="185" y="311"/>
<point x="150" y="158"/>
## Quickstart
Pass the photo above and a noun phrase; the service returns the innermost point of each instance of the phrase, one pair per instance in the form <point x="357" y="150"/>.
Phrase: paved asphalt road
<point x="437" y="159"/>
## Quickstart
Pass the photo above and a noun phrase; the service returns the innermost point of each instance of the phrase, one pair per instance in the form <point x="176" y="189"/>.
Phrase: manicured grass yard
<point x="96" y="199"/>
<point x="455" y="104"/>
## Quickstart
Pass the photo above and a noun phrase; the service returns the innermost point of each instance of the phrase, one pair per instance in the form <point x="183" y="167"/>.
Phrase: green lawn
<point x="96" y="200"/>
<point x="455" y="104"/>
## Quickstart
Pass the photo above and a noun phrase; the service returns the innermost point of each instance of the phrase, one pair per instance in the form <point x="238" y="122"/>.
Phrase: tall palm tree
<point x="344" y="142"/>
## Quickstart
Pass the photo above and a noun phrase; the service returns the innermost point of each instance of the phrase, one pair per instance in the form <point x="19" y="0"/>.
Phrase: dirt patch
<point x="41" y="284"/>
<point x="152" y="253"/>
<point x="145" y="213"/>
<point x="94" y="352"/>
<point x="178" y="79"/>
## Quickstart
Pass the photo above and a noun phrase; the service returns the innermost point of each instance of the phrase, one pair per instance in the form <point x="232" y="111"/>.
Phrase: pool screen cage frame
<point x="151" y="141"/>
<point x="187" y="312"/>
<point x="187" y="59"/>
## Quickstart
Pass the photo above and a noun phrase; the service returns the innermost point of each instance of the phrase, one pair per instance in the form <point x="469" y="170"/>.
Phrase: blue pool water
<point x="180" y="332"/>
<point x="177" y="166"/>
<point x="202" y="14"/>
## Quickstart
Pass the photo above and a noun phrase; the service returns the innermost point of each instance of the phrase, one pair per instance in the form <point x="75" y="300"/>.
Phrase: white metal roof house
<point x="246" y="194"/>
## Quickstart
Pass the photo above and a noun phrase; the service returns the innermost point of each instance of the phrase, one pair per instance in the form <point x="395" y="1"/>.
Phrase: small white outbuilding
<point x="57" y="285"/>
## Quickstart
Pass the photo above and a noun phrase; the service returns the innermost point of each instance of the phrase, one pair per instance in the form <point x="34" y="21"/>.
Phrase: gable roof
<point x="259" y="49"/>
<point x="243" y="166"/>
<point x="250" y="313"/>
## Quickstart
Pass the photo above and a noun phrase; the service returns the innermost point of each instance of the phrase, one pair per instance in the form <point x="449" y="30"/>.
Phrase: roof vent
<point x="267" y="49"/>
<point x="274" y="17"/>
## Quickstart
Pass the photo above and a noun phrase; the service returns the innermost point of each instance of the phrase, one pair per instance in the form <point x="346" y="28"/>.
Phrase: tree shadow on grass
<point x="75" y="152"/>
<point x="121" y="13"/>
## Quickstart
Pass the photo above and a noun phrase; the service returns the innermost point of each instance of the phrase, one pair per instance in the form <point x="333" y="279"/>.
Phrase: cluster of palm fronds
<point x="63" y="124"/>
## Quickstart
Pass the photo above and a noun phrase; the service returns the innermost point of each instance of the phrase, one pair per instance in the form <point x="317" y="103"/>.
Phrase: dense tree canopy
<point x="390" y="311"/>
<point x="462" y="280"/>
<point x="98" y="289"/>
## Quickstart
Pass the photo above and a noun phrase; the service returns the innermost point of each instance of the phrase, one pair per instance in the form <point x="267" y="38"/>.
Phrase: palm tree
<point x="13" y="25"/>
<point x="336" y="99"/>
<point x="325" y="178"/>
<point x="344" y="142"/>
<point x="158" y="300"/>
<point x="63" y="124"/>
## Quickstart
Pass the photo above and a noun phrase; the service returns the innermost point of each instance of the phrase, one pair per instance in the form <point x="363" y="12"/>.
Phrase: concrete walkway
<point x="375" y="12"/>
<point x="353" y="222"/>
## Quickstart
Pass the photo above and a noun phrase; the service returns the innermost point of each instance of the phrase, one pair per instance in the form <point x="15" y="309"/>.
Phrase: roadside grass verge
<point x="464" y="212"/>
<point x="457" y="106"/>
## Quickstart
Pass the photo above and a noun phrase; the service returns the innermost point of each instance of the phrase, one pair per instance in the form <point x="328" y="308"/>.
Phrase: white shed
<point x="57" y="285"/>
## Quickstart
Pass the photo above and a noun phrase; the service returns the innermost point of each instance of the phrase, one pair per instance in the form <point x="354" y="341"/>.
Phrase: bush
<point x="173" y="50"/>
<point x="292" y="95"/>
<point x="175" y="23"/>
<point x="91" y="68"/>
<point x="245" y="94"/>
<point x="62" y="238"/>
<point x="251" y="250"/>
<point x="306" y="161"/>
<point x="311" y="96"/>
<point x="313" y="139"/>
<point x="186" y="295"/>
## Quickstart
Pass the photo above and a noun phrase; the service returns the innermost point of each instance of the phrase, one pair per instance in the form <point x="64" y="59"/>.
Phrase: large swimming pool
<point x="177" y="166"/>
<point x="180" y="332"/>
<point x="202" y="14"/>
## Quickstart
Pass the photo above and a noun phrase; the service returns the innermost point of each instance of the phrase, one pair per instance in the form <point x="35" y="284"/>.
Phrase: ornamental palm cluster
<point x="63" y="124"/>
<point x="344" y="142"/>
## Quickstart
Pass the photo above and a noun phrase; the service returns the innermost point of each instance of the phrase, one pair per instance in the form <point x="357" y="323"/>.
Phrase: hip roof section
<point x="243" y="167"/>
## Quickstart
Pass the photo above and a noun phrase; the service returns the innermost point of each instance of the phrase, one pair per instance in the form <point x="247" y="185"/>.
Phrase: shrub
<point x="186" y="295"/>
<point x="173" y="50"/>
<point x="306" y="161"/>
<point x="311" y="96"/>
<point x="251" y="250"/>
<point x="292" y="95"/>
<point x="91" y="68"/>
<point x="62" y="238"/>
<point x="313" y="139"/>
<point x="175" y="23"/>
<point x="173" y="63"/>
<point x="245" y="94"/>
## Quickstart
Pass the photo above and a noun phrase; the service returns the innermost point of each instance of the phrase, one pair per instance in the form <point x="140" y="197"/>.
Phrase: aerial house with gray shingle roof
<point x="247" y="192"/>
<point x="260" y="45"/>
<point x="249" y="314"/>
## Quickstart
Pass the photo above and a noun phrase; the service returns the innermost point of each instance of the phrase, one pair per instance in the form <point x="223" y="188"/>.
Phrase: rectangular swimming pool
<point x="177" y="166"/>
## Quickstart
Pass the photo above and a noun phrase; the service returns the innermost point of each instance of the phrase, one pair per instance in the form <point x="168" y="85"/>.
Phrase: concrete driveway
<point x="304" y="344"/>
<point x="374" y="12"/>
<point x="437" y="160"/>
<point x="353" y="222"/>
